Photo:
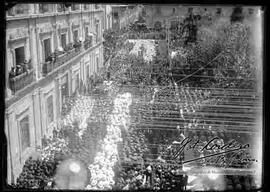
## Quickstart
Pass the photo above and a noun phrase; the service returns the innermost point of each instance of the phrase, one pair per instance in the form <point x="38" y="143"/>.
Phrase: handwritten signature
<point x="212" y="145"/>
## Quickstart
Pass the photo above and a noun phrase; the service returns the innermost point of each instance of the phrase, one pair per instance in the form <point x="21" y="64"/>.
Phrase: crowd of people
<point x="240" y="182"/>
<point x="152" y="176"/>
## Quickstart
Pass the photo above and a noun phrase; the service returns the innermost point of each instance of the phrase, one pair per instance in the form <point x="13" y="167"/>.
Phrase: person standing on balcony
<point x="12" y="73"/>
<point x="25" y="66"/>
<point x="19" y="70"/>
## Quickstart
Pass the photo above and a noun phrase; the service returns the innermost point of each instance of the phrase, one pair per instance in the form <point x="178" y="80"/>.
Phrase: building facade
<point x="34" y="96"/>
<point x="161" y="14"/>
<point x="123" y="15"/>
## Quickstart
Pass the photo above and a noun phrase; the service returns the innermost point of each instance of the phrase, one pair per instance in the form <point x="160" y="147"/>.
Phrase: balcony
<point x="45" y="8"/>
<point x="20" y="9"/>
<point x="61" y="8"/>
<point x="21" y="81"/>
<point x="70" y="58"/>
<point x="75" y="7"/>
<point x="58" y="59"/>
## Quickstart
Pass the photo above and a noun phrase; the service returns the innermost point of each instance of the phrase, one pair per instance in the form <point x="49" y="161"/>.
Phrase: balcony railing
<point x="59" y="60"/>
<point x="22" y="80"/>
